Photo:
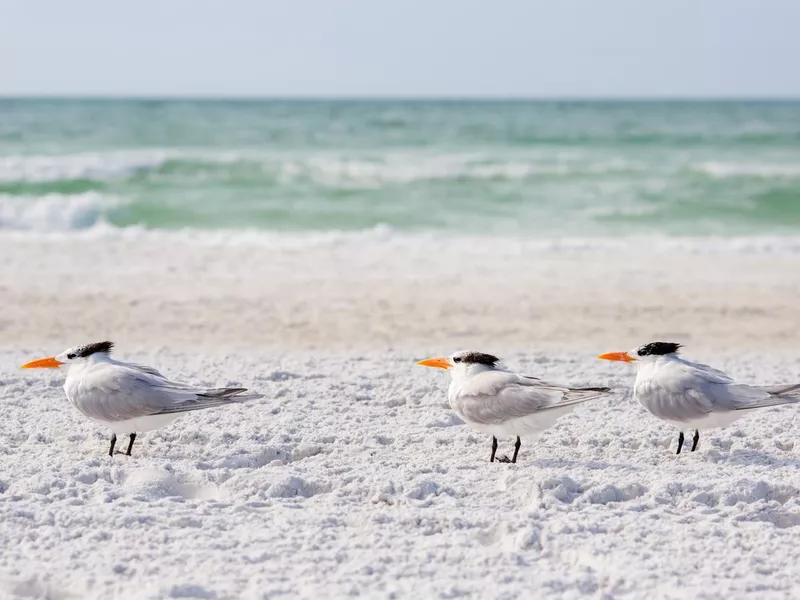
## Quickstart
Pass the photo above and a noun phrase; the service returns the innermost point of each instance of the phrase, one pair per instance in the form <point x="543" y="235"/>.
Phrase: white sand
<point x="352" y="476"/>
<point x="384" y="291"/>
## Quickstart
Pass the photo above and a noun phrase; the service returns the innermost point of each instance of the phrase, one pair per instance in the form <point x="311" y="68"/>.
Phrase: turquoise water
<point x="529" y="167"/>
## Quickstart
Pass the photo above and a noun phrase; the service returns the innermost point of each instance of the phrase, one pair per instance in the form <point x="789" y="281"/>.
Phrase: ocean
<point x="535" y="169"/>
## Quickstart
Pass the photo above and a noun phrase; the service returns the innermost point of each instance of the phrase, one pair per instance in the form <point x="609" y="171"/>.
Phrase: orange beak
<point x="43" y="363"/>
<point x="620" y="356"/>
<point x="440" y="362"/>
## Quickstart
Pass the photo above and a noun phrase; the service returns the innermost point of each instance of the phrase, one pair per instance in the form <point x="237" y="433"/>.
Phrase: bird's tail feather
<point x="231" y="394"/>
<point x="211" y="398"/>
<point x="787" y="391"/>
<point x="578" y="396"/>
<point x="778" y="395"/>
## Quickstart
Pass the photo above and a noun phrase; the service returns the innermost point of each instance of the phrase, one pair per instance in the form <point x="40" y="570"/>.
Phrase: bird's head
<point x="76" y="354"/>
<point x="646" y="353"/>
<point x="463" y="363"/>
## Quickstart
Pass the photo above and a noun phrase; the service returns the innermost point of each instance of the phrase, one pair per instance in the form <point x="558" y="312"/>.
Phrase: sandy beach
<point x="352" y="476"/>
<point x="381" y="290"/>
<point x="231" y="232"/>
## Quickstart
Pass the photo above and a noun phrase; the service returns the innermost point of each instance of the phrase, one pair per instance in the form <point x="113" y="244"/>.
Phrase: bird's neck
<point x="99" y="357"/>
<point x="463" y="371"/>
<point x="649" y="367"/>
<point x="76" y="369"/>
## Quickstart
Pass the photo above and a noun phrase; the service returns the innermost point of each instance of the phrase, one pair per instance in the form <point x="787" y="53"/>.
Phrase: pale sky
<point x="494" y="48"/>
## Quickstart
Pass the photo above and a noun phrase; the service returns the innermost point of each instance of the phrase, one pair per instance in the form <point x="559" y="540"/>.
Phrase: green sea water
<point x="533" y="168"/>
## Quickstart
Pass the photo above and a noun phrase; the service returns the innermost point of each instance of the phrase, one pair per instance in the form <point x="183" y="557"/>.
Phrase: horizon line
<point x="390" y="98"/>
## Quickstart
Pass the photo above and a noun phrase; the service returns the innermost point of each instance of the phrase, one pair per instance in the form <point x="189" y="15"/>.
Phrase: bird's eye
<point x="456" y="359"/>
<point x="70" y="355"/>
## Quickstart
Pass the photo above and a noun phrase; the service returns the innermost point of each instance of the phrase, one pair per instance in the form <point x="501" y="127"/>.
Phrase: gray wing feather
<point x="496" y="397"/>
<point x="146" y="369"/>
<point x="783" y="390"/>
<point x="776" y="395"/>
<point x="117" y="392"/>
<point x="687" y="391"/>
<point x="212" y="398"/>
<point x="706" y="372"/>
<point x="723" y="394"/>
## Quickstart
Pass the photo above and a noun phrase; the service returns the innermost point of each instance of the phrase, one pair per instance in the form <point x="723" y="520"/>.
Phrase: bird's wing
<point x="495" y="397"/>
<point x="685" y="391"/>
<point x="706" y="372"/>
<point x="783" y="389"/>
<point x="725" y="395"/>
<point x="772" y="395"/>
<point x="145" y="369"/>
<point x="120" y="392"/>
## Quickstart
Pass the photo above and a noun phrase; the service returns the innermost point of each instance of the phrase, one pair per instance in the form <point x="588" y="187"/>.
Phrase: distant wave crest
<point x="727" y="170"/>
<point x="93" y="165"/>
<point x="55" y="212"/>
<point x="564" y="191"/>
<point x="323" y="169"/>
<point x="335" y="171"/>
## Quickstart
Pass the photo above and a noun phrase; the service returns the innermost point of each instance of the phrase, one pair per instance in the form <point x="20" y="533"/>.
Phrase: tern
<point x="691" y="395"/>
<point x="499" y="402"/>
<point x="129" y="398"/>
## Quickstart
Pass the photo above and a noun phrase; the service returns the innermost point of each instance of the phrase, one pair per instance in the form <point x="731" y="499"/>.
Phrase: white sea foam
<point x="100" y="166"/>
<point x="323" y="169"/>
<point x="82" y="218"/>
<point x="338" y="171"/>
<point x="55" y="212"/>
<point x="726" y="170"/>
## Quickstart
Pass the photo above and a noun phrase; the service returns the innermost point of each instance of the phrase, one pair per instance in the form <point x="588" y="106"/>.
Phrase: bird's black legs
<point x="516" y="449"/>
<point x="504" y="458"/>
<point x="696" y="439"/>
<point x="130" y="444"/>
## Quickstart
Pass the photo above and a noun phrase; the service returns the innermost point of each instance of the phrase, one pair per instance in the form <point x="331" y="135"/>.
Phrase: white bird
<point x="499" y="402"/>
<point x="691" y="395"/>
<point x="129" y="398"/>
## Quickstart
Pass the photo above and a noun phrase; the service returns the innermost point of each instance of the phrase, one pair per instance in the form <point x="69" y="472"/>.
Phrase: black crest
<point x="658" y="348"/>
<point x="89" y="349"/>
<point x="476" y="358"/>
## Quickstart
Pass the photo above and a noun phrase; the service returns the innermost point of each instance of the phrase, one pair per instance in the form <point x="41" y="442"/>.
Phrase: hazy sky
<point x="561" y="48"/>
